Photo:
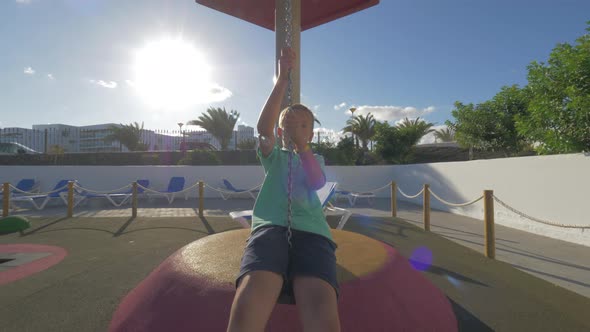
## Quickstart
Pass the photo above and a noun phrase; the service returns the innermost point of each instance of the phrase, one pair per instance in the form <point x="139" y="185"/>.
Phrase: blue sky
<point x="72" y="61"/>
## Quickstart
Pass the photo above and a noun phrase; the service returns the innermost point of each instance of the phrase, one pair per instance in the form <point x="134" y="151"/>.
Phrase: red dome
<point x="193" y="289"/>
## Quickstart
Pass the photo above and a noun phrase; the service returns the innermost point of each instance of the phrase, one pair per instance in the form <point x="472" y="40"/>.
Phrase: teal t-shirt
<point x="271" y="205"/>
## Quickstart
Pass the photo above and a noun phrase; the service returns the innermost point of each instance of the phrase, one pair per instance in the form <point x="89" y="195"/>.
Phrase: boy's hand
<point x="286" y="63"/>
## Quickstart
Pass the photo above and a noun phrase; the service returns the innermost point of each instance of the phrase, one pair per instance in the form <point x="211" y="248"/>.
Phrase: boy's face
<point x="298" y="126"/>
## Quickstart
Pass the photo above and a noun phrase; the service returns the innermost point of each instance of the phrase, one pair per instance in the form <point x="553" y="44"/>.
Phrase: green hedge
<point x="137" y="158"/>
<point x="333" y="156"/>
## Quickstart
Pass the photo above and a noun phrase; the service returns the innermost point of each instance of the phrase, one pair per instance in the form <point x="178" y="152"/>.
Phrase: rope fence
<point x="455" y="204"/>
<point x="524" y="215"/>
<point x="230" y="192"/>
<point x="73" y="190"/>
<point x="373" y="191"/>
<point x="114" y="191"/>
<point x="13" y="188"/>
<point x="488" y="198"/>
<point x="409" y="196"/>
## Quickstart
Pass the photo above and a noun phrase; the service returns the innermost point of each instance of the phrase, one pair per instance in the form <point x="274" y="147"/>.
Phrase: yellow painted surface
<point x="217" y="257"/>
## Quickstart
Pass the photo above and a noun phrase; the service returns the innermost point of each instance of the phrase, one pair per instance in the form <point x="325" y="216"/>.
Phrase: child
<point x="303" y="270"/>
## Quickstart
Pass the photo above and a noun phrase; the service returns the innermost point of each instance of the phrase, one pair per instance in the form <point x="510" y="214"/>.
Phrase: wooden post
<point x="201" y="194"/>
<point x="70" y="199"/>
<point x="427" y="207"/>
<point x="134" y="200"/>
<point x="393" y="199"/>
<point x="6" y="199"/>
<point x="490" y="238"/>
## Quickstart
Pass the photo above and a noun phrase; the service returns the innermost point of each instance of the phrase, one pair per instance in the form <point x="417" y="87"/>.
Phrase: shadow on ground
<point x="107" y="257"/>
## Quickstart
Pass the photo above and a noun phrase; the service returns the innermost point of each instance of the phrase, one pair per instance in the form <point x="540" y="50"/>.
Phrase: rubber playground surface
<point x="107" y="257"/>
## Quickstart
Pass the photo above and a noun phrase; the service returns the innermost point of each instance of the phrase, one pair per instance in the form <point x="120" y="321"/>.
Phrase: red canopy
<point x="313" y="12"/>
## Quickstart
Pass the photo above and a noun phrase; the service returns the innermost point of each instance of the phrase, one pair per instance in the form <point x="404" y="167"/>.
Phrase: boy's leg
<point x="262" y="273"/>
<point x="315" y="282"/>
<point x="317" y="304"/>
<point x="255" y="299"/>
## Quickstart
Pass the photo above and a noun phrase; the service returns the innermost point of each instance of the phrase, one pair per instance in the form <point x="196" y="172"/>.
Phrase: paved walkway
<point x="559" y="262"/>
<point x="562" y="263"/>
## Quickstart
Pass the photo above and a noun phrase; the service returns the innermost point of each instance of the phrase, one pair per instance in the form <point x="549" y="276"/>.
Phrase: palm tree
<point x="415" y="128"/>
<point x="219" y="123"/>
<point x="445" y="135"/>
<point x="127" y="135"/>
<point x="363" y="127"/>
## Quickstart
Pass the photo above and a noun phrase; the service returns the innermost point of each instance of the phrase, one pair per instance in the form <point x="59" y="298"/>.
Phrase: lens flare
<point x="421" y="258"/>
<point x="453" y="281"/>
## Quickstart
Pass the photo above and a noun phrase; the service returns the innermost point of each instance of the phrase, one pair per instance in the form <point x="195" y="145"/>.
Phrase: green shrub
<point x="199" y="157"/>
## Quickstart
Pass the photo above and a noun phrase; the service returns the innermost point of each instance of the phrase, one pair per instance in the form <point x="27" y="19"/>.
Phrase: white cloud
<point x="50" y="76"/>
<point x="104" y="84"/>
<point x="316" y="107"/>
<point x="392" y="113"/>
<point x="218" y="93"/>
<point x="243" y="123"/>
<point x="429" y="138"/>
<point x="29" y="71"/>
<point x="327" y="134"/>
<point x="339" y="106"/>
<point x="208" y="93"/>
<point x="23" y="1"/>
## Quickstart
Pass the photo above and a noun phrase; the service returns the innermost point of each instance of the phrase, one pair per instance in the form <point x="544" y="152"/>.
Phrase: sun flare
<point x="172" y="74"/>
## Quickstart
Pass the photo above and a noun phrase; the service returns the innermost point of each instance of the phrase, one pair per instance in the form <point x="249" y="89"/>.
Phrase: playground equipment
<point x="193" y="289"/>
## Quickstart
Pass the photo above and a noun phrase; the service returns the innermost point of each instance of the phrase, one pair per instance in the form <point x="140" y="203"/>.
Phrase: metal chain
<point x="288" y="43"/>
<point x="288" y="40"/>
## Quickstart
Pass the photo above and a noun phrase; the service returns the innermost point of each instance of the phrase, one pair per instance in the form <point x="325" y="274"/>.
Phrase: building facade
<point x="61" y="138"/>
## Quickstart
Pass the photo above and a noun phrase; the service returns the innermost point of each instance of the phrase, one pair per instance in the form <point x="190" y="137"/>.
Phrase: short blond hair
<point x="296" y="108"/>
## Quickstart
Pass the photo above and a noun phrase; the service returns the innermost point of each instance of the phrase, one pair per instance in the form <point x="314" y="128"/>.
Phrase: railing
<point x="488" y="197"/>
<point x="61" y="139"/>
<point x="488" y="202"/>
<point x="74" y="188"/>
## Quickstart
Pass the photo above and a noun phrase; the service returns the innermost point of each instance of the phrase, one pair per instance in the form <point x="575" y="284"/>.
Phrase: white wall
<point x="553" y="188"/>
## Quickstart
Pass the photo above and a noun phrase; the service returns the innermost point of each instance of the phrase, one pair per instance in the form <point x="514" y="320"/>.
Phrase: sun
<point x="171" y="74"/>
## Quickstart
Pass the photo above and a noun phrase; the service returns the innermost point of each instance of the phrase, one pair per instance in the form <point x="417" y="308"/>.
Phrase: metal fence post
<point x="46" y="136"/>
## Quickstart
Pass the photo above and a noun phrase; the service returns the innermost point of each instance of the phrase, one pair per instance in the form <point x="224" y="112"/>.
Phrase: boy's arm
<point x="315" y="178"/>
<point x="269" y="115"/>
<point x="272" y="108"/>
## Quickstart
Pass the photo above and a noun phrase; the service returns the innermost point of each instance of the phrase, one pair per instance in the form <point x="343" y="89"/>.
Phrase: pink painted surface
<point x="25" y="270"/>
<point x="394" y="298"/>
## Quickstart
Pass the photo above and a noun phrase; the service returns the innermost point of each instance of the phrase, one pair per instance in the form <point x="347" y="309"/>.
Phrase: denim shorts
<point x="310" y="254"/>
